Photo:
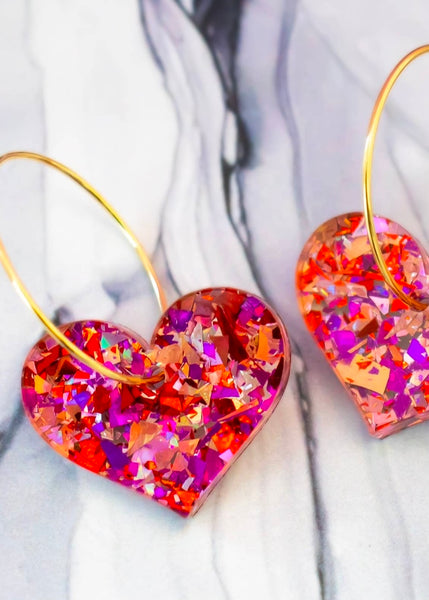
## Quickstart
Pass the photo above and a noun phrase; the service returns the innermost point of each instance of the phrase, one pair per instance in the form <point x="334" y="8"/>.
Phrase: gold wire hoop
<point x="367" y="171"/>
<point x="31" y="303"/>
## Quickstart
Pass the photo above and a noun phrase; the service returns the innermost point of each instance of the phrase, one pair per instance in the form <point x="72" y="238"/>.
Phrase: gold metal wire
<point x="367" y="171"/>
<point x="29" y="300"/>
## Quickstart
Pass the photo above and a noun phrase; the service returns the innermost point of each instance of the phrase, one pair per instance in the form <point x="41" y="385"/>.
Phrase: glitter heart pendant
<point x="377" y="345"/>
<point x="224" y="357"/>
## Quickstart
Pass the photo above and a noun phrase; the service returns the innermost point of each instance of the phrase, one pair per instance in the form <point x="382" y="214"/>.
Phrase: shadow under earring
<point x="362" y="287"/>
<point x="166" y="419"/>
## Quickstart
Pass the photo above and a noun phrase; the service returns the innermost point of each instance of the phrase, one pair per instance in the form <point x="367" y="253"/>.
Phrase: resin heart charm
<point x="376" y="344"/>
<point x="224" y="357"/>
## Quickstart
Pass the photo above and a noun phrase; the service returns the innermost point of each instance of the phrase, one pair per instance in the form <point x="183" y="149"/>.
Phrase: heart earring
<point x="362" y="287"/>
<point x="166" y="419"/>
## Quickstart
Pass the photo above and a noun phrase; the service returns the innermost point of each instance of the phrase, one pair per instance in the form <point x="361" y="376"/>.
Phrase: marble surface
<point x="225" y="132"/>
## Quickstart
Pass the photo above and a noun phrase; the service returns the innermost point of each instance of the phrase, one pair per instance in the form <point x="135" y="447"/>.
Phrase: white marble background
<point x="225" y="132"/>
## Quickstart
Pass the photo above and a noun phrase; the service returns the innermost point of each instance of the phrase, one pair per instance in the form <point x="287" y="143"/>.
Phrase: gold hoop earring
<point x="360" y="281"/>
<point x="367" y="173"/>
<point x="53" y="330"/>
<point x="165" y="419"/>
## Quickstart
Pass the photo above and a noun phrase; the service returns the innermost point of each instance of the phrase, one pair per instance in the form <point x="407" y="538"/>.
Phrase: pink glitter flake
<point x="225" y="358"/>
<point x="375" y="343"/>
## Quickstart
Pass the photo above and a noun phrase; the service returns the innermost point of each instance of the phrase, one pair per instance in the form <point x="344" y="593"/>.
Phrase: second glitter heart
<point x="363" y="290"/>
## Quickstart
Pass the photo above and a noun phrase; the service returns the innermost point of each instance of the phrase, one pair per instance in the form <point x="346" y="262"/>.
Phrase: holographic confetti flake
<point x="375" y="343"/>
<point x="225" y="359"/>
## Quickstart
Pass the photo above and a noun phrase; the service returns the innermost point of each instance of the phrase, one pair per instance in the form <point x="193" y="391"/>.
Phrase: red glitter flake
<point x="88" y="454"/>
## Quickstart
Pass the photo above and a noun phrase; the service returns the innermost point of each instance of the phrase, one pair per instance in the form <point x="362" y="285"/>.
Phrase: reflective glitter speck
<point x="376" y="344"/>
<point x="225" y="359"/>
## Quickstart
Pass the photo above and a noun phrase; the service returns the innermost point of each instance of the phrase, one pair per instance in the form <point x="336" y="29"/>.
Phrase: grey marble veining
<point x="225" y="132"/>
